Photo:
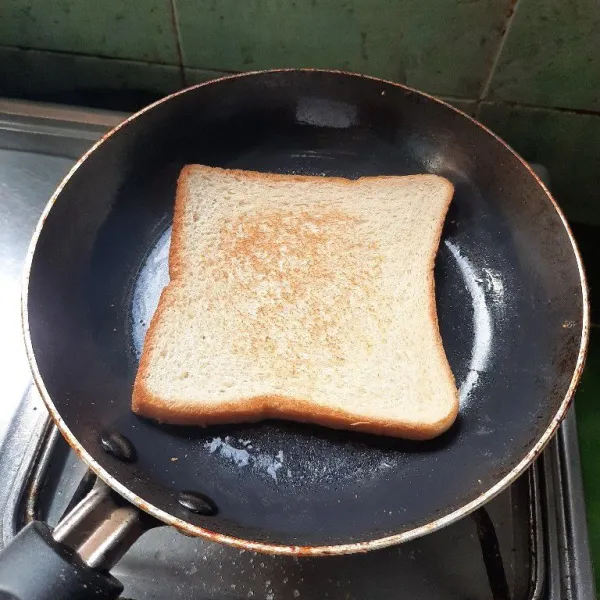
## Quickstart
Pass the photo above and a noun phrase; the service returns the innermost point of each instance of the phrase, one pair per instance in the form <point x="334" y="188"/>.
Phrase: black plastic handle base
<point x="34" y="566"/>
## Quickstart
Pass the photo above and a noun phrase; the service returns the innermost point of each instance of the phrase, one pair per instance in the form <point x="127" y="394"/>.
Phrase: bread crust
<point x="257" y="408"/>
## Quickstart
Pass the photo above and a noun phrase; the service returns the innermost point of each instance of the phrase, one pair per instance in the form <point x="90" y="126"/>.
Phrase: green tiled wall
<point x="530" y="69"/>
<point x="395" y="39"/>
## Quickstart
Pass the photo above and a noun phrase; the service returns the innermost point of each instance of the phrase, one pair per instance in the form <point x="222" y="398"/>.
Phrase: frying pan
<point x="511" y="300"/>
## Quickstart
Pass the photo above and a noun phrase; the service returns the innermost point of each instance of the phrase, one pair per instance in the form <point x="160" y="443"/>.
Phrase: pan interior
<point x="508" y="295"/>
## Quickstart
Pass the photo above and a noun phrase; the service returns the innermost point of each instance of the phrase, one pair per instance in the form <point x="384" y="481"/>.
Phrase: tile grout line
<point x="137" y="61"/>
<point x="495" y="62"/>
<point x="69" y="53"/>
<point x="175" y="23"/>
<point x="562" y="109"/>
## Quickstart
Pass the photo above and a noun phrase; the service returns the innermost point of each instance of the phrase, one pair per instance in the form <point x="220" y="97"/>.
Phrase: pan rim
<point x="337" y="549"/>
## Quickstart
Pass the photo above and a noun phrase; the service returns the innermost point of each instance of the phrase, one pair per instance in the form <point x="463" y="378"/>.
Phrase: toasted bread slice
<point x="302" y="298"/>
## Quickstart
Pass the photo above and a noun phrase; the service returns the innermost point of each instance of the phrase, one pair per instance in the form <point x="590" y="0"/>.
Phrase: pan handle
<point x="72" y="562"/>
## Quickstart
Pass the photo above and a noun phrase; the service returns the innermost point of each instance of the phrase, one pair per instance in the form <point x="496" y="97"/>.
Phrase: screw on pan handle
<point x="72" y="563"/>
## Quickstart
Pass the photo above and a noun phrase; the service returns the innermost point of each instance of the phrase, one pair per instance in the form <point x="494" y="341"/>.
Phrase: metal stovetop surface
<point x="539" y="521"/>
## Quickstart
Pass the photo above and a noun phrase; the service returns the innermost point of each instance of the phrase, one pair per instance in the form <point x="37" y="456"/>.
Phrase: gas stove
<point x="530" y="542"/>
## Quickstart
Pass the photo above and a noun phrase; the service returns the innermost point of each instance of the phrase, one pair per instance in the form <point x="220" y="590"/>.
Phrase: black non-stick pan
<point x="511" y="300"/>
